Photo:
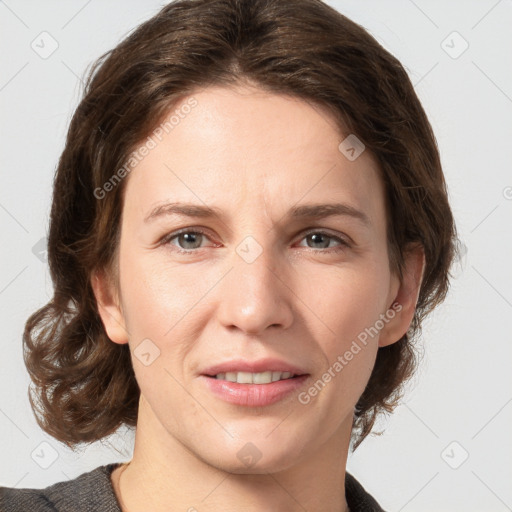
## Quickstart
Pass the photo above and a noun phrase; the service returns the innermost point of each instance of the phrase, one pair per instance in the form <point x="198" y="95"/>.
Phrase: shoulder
<point x="89" y="491"/>
<point x="358" y="499"/>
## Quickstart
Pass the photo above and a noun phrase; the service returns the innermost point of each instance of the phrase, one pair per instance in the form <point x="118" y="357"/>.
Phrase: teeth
<point x="254" y="378"/>
<point x="261" y="378"/>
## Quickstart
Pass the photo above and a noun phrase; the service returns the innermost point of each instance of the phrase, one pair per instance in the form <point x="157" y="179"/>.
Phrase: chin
<point x="260" y="456"/>
<point x="266" y="465"/>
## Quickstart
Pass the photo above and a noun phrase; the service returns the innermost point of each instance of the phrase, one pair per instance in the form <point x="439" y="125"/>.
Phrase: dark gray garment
<point x="93" y="491"/>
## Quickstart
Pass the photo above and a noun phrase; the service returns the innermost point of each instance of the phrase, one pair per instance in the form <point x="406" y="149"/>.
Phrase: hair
<point x="83" y="385"/>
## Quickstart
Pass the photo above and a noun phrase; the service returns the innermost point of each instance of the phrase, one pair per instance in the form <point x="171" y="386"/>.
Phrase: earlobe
<point x="406" y="297"/>
<point x="109" y="307"/>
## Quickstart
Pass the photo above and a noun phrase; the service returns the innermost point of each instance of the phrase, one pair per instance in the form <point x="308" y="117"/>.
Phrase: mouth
<point x="257" y="383"/>
<point x="265" y="377"/>
<point x="254" y="389"/>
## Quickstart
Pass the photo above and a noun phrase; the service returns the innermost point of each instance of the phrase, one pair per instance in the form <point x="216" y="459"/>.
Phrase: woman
<point x="249" y="224"/>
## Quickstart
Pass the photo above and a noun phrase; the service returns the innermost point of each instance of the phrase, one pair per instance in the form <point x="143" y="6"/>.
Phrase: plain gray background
<point x="448" y="446"/>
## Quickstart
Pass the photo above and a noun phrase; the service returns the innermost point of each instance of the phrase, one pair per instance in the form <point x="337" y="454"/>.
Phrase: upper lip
<point x="262" y="365"/>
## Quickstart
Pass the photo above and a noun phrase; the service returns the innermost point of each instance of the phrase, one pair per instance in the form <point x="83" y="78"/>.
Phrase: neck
<point x="168" y="476"/>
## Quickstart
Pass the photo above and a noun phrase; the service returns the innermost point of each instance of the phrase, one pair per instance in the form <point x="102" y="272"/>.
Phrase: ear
<point x="109" y="307"/>
<point x="405" y="297"/>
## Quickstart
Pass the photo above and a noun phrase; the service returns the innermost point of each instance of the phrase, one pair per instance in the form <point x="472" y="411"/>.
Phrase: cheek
<point x="349" y="308"/>
<point x="158" y="305"/>
<point x="157" y="296"/>
<point x="351" y="302"/>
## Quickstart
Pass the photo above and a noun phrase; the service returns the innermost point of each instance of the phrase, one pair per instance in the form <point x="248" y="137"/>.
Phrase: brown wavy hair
<point x="84" y="386"/>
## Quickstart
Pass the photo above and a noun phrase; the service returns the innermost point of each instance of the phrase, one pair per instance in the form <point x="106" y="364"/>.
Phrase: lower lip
<point x="254" y="395"/>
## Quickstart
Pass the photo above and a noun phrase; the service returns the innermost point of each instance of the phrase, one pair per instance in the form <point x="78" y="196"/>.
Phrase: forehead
<point x="243" y="145"/>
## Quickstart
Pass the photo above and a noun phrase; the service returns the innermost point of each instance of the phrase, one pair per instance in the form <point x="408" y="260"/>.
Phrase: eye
<point x="186" y="240"/>
<point x="323" y="240"/>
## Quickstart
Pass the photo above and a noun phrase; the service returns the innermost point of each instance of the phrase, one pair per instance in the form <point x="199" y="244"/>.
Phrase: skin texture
<point x="254" y="155"/>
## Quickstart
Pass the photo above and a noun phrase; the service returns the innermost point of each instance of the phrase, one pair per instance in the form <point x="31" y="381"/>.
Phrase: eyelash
<point x="343" y="243"/>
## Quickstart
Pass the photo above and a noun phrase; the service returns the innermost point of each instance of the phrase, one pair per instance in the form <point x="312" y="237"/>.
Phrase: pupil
<point x="313" y="236"/>
<point x="190" y="238"/>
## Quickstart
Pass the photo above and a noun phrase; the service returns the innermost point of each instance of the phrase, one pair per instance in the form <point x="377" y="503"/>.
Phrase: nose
<point x="256" y="295"/>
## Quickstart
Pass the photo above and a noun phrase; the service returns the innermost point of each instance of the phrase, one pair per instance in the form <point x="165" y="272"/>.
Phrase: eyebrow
<point x="308" y="211"/>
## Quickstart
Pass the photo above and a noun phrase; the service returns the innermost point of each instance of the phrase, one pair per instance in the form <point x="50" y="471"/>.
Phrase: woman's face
<point x="264" y="283"/>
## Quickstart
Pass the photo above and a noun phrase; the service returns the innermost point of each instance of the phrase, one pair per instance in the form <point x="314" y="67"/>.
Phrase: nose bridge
<point x="254" y="295"/>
